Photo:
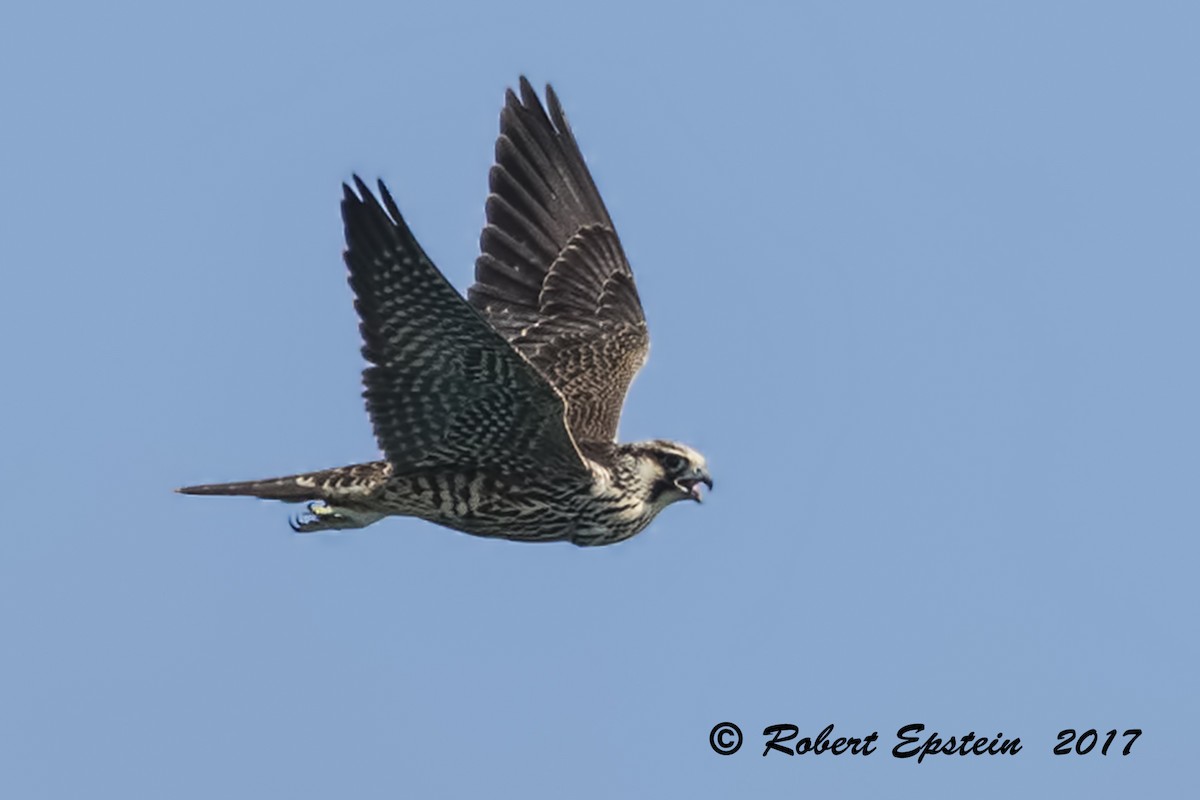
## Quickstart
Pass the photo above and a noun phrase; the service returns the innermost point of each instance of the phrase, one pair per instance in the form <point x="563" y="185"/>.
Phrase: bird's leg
<point x="323" y="517"/>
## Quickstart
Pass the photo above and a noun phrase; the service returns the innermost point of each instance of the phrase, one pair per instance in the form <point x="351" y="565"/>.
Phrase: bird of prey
<point x="497" y="415"/>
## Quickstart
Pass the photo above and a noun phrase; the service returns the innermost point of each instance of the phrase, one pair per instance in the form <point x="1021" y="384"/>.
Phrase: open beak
<point x="691" y="484"/>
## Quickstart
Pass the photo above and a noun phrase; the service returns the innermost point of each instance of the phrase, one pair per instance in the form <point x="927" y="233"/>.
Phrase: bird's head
<point x="671" y="471"/>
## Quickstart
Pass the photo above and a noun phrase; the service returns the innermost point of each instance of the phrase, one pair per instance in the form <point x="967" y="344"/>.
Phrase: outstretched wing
<point x="552" y="276"/>
<point x="443" y="388"/>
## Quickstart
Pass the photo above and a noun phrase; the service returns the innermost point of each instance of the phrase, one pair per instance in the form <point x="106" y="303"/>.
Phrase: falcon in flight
<point x="497" y="415"/>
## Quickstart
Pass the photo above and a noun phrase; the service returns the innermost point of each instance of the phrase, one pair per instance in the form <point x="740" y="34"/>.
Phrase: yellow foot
<point x="323" y="517"/>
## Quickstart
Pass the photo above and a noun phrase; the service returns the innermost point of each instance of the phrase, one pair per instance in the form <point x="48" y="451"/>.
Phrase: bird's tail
<point x="291" y="488"/>
<point x="330" y="485"/>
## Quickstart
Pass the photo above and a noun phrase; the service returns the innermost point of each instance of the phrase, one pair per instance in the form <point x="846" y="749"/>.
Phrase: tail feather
<point x="287" y="489"/>
<point x="329" y="485"/>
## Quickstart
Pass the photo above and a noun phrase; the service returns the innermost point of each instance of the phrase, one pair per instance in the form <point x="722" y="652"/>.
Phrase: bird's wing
<point x="552" y="276"/>
<point x="443" y="387"/>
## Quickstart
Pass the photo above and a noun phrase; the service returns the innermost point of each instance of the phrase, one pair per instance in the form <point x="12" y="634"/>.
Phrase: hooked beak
<point x="690" y="485"/>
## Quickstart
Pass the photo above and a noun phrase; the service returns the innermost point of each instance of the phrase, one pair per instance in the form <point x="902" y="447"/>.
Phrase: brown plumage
<point x="498" y="416"/>
<point x="552" y="276"/>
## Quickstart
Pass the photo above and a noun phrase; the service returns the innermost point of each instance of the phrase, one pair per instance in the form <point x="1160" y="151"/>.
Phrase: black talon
<point x="303" y="523"/>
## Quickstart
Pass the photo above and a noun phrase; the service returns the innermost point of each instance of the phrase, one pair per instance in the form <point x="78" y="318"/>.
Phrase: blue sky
<point x="922" y="283"/>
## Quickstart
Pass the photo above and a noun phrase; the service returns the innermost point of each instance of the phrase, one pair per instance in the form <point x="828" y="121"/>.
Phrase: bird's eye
<point x="673" y="463"/>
